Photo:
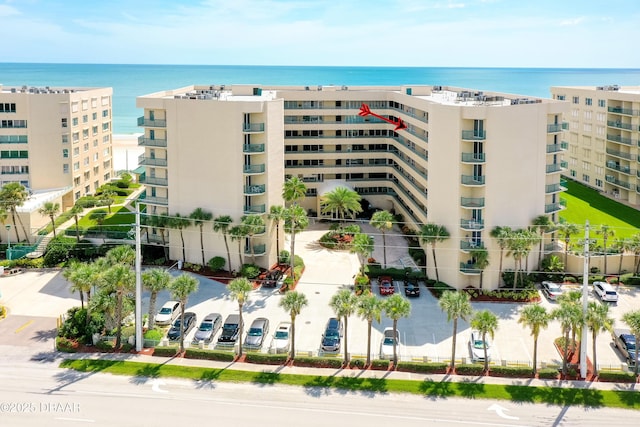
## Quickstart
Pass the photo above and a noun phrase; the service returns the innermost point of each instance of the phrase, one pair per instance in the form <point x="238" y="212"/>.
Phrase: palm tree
<point x="635" y="247"/>
<point x="107" y="198"/>
<point x="80" y="275"/>
<point x="239" y="291"/>
<point x="295" y="220"/>
<point x="238" y="233"/>
<point x="519" y="246"/>
<point x="342" y="201"/>
<point x="3" y="217"/>
<point x="573" y="297"/>
<point x="369" y="307"/>
<point x="294" y="189"/>
<point x="253" y="224"/>
<point x="155" y="280"/>
<point x="396" y="307"/>
<point x="632" y="319"/>
<point x="566" y="229"/>
<point x="344" y="304"/>
<point x="181" y="287"/>
<point x="597" y="320"/>
<point x="123" y="254"/>
<point x="568" y="315"/>
<point x="221" y="225"/>
<point x="542" y="224"/>
<point x="383" y="221"/>
<point x="431" y="234"/>
<point x="362" y="245"/>
<point x="13" y="195"/>
<point x="180" y="222"/>
<point x="122" y="279"/>
<point x="161" y="222"/>
<point x="623" y="245"/>
<point x="536" y="318"/>
<point x="293" y="302"/>
<point x="606" y="232"/>
<point x="276" y="214"/>
<point x="481" y="260"/>
<point x="199" y="217"/>
<point x="457" y="305"/>
<point x="99" y="215"/>
<point x="75" y="211"/>
<point x="50" y="209"/>
<point x="502" y="235"/>
<point x="485" y="322"/>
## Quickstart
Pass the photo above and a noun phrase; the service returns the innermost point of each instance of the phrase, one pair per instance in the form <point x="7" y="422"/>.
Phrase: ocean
<point x="130" y="81"/>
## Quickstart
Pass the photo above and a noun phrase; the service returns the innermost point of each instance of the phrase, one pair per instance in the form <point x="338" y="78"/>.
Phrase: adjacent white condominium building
<point x="604" y="138"/>
<point x="465" y="159"/>
<point x="56" y="142"/>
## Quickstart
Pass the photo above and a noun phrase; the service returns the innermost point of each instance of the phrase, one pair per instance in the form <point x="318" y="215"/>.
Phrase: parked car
<point x="272" y="278"/>
<point x="605" y="292"/>
<point x="551" y="290"/>
<point x="625" y="342"/>
<point x="385" y="284"/>
<point x="189" y="323"/>
<point x="230" y="330"/>
<point x="386" y="344"/>
<point x="282" y="338"/>
<point x="256" y="333"/>
<point x="477" y="345"/>
<point x="332" y="335"/>
<point x="168" y="313"/>
<point x="411" y="288"/>
<point x="208" y="328"/>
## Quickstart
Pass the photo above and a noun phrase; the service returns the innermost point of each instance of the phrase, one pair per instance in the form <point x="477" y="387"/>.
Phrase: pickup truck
<point x="625" y="342"/>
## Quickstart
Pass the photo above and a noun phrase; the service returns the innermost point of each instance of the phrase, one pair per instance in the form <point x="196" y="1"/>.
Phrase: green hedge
<point x="66" y="345"/>
<point x="267" y="359"/>
<point x="196" y="353"/>
<point x="470" y="369"/>
<point x="165" y="351"/>
<point x="618" y="377"/>
<point x="548" y="374"/>
<point x="376" y="270"/>
<point x="511" y="371"/>
<point x="318" y="362"/>
<point x="426" y="368"/>
<point x="357" y="363"/>
<point x="380" y="364"/>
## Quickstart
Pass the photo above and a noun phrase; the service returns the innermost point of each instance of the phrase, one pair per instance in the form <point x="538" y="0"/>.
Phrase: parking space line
<point x="525" y="349"/>
<point x="23" y="326"/>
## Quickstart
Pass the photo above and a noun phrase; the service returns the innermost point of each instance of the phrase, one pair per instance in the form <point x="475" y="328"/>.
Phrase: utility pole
<point x="585" y="296"/>
<point x="138" y="282"/>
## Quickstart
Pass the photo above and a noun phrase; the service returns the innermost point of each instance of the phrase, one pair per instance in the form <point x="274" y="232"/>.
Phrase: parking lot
<point x="425" y="334"/>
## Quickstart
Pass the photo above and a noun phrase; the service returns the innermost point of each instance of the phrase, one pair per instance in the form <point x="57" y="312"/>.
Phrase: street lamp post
<point x="8" y="227"/>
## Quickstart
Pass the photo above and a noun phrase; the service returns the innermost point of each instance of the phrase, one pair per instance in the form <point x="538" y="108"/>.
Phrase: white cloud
<point x="572" y="21"/>
<point x="6" y="10"/>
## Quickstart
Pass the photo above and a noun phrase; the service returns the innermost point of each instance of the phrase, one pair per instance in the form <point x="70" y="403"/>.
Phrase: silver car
<point x="282" y="338"/>
<point x="208" y="328"/>
<point x="256" y="333"/>
<point x="477" y="346"/>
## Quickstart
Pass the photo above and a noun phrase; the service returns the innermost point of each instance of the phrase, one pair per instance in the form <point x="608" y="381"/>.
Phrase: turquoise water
<point x="129" y="81"/>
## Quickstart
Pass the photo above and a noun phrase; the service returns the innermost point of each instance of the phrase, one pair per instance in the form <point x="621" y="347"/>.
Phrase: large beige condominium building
<point x="56" y="142"/>
<point x="467" y="160"/>
<point x="604" y="138"/>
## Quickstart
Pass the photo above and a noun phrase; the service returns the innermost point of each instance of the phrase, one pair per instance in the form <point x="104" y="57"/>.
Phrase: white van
<point x="605" y="291"/>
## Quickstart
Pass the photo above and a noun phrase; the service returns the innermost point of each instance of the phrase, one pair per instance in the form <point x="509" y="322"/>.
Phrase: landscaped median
<point x="561" y="396"/>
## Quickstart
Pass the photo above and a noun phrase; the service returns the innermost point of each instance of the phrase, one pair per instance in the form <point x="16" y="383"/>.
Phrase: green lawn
<point x="119" y="215"/>
<point x="442" y="389"/>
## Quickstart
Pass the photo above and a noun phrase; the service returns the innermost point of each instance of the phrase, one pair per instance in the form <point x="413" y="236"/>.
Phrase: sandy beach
<point x="126" y="151"/>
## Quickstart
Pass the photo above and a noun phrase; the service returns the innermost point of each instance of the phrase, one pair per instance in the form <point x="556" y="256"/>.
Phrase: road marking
<point x="23" y="326"/>
<point x="500" y="411"/>
<point x="82" y="420"/>
<point x="155" y="386"/>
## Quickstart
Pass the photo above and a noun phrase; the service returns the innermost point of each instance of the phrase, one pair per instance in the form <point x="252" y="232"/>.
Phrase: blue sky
<point x="467" y="33"/>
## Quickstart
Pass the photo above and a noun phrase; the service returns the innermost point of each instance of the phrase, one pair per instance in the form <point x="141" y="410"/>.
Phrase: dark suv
<point x="230" y="330"/>
<point x="271" y="279"/>
<point x="332" y="335"/>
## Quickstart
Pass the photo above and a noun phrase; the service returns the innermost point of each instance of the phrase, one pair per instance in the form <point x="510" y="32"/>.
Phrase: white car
<point x="386" y="344"/>
<point x="282" y="338"/>
<point x="551" y="290"/>
<point x="476" y="346"/>
<point x="168" y="313"/>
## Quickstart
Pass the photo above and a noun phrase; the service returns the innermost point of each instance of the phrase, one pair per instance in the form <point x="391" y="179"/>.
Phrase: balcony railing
<point x="625" y="111"/>
<point x="154" y="181"/>
<point x="471" y="224"/>
<point x="555" y="207"/>
<point x="469" y="245"/>
<point x="14" y="139"/>
<point x="555" y="148"/>
<point x="621" y="139"/>
<point x="253" y="148"/>
<point x="474" y="135"/>
<point x="619" y="154"/>
<point x="554" y="188"/>
<point x="253" y="190"/>
<point x="253" y="127"/>
<point x="619" y="125"/>
<point x="615" y="181"/>
<point x="149" y="142"/>
<point x="472" y="202"/>
<point x="249" y="169"/>
<point x="156" y="200"/>
<point x="143" y="121"/>
<point x="556" y="167"/>
<point x="473" y="157"/>
<point x="255" y="209"/>
<point x="472" y="180"/>
<point x="258" y="250"/>
<point x="555" y="127"/>
<point x="467" y="268"/>
<point x="624" y="169"/>
<point x="150" y="161"/>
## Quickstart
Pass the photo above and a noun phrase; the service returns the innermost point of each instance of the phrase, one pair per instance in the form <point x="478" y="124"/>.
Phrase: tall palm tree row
<point x="485" y="322"/>
<point x="502" y="234"/>
<point x="253" y="224"/>
<point x="569" y="315"/>
<point x="199" y="216"/>
<point x="180" y="222"/>
<point x="597" y="320"/>
<point x="293" y="190"/>
<point x="276" y="215"/>
<point x="536" y="318"/>
<point x="383" y="221"/>
<point x="295" y="220"/>
<point x="341" y="201"/>
<point x="293" y="302"/>
<point x="396" y="307"/>
<point x="567" y="229"/>
<point x="239" y="291"/>
<point x="542" y="225"/>
<point x="432" y="234"/>
<point x="181" y="287"/>
<point x="344" y="304"/>
<point x="155" y="280"/>
<point x="605" y="231"/>
<point x="50" y="209"/>
<point x="222" y="225"/>
<point x="457" y="305"/>
<point x="369" y="307"/>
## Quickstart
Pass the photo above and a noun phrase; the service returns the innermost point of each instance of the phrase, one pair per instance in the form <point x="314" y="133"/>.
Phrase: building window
<point x="586" y="166"/>
<point x="94" y="104"/>
<point x="576" y="100"/>
<point x="74" y="121"/>
<point x="587" y="115"/>
<point x="65" y="168"/>
<point x="107" y="177"/>
<point x="14" y="154"/>
<point x="85" y="105"/>
<point x="85" y="118"/>
<point x="601" y="103"/>
<point x="105" y="139"/>
<point x="105" y="113"/>
<point x="76" y="151"/>
<point x="585" y="178"/>
<point x="105" y="152"/>
<point x="85" y="133"/>
<point x="76" y="195"/>
<point x="105" y="127"/>
<point x="86" y="161"/>
<point x="95" y="157"/>
<point x="94" y="116"/>
<point x="94" y="130"/>
<point x="74" y="107"/>
<point x="7" y="108"/>
<point x="598" y="182"/>
<point x="588" y="101"/>
<point x="95" y="142"/>
<point x="65" y="153"/>
<point x="560" y="97"/>
<point x="64" y="122"/>
<point x="86" y="147"/>
<point x="76" y="166"/>
<point x="87" y="189"/>
<point x="76" y="181"/>
<point x="572" y="173"/>
<point x="65" y="138"/>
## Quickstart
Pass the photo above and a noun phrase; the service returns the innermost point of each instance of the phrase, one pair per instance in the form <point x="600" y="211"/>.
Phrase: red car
<point x="385" y="283"/>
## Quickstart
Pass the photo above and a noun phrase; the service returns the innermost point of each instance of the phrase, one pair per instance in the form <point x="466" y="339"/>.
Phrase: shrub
<point x="266" y="359"/>
<point x="66" y="345"/>
<point x="153" y="334"/>
<point x="380" y="364"/>
<point x="298" y="261"/>
<point x="3" y="312"/>
<point x="222" y="356"/>
<point x="357" y="363"/>
<point x="548" y="374"/>
<point x="165" y="351"/>
<point x="318" y="362"/>
<point x="617" y="377"/>
<point x="58" y="251"/>
<point x="570" y="279"/>
<point x="216" y="263"/>
<point x="613" y="280"/>
<point x="284" y="257"/>
<point x="470" y="369"/>
<point x="75" y="326"/>
<point x="427" y="368"/>
<point x="511" y="371"/>
<point x="104" y="345"/>
<point x="126" y="347"/>
<point x="250" y="271"/>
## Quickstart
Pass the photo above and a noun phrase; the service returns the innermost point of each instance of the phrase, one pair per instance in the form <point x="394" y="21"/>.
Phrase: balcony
<point x="620" y="139"/>
<point x="253" y="148"/>
<point x="473" y="157"/>
<point x="474" y="135"/>
<point x="472" y="180"/>
<point x="625" y="111"/>
<point x="254" y="190"/>
<point x="152" y="200"/>
<point x="14" y="139"/>
<point x="154" y="181"/>
<point x="556" y="148"/>
<point x="467" y="268"/>
<point x="252" y="127"/>
<point x="619" y="125"/>
<point x="555" y="207"/>
<point x="471" y="224"/>
<point x="151" y="142"/>
<point x="616" y="166"/>
<point x="469" y="245"/>
<point x="472" y="202"/>
<point x="418" y="135"/>
<point x="150" y="161"/>
<point x="620" y="154"/>
<point x="255" y="209"/>
<point x="556" y="127"/>
<point x="258" y="250"/>
<point x="143" y="121"/>
<point x="615" y="181"/>
<point x="253" y="169"/>
<point x="554" y="188"/>
<point x="557" y="167"/>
